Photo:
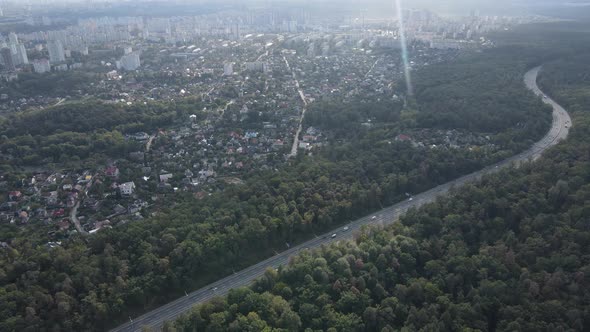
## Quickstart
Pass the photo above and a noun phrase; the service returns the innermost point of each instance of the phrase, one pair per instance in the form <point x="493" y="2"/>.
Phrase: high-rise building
<point x="228" y="69"/>
<point x="13" y="48"/>
<point x="7" y="59"/>
<point x="13" y="38"/>
<point x="129" y="62"/>
<point x="22" y="55"/>
<point x="159" y="25"/>
<point x="236" y="32"/>
<point x="389" y="42"/>
<point x="80" y="49"/>
<point x="41" y="66"/>
<point x="256" y="66"/>
<point x="56" y="51"/>
<point x="311" y="50"/>
<point x="325" y="49"/>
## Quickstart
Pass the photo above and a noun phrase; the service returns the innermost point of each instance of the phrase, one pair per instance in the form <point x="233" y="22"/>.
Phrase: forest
<point x="82" y="130"/>
<point x="509" y="253"/>
<point x="93" y="283"/>
<point x="31" y="85"/>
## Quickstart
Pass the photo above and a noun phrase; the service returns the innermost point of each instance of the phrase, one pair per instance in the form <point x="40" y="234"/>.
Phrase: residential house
<point x="52" y="198"/>
<point x="15" y="196"/>
<point x="59" y="213"/>
<point x="24" y="217"/>
<point x="309" y="138"/>
<point x="64" y="225"/>
<point x="141" y="136"/>
<point x="119" y="209"/>
<point x="127" y="189"/>
<point x="92" y="204"/>
<point x="402" y="138"/>
<point x="165" y="177"/>
<point x="112" y="172"/>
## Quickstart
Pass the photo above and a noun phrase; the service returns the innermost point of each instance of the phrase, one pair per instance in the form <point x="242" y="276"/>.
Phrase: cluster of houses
<point x="191" y="158"/>
<point x="452" y="139"/>
<point x="56" y="200"/>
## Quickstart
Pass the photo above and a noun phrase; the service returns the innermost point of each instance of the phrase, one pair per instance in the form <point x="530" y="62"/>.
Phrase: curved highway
<point x="155" y="318"/>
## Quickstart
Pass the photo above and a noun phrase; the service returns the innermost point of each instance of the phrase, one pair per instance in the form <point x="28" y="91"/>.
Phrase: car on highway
<point x="346" y="228"/>
<point x="333" y="235"/>
<point x="411" y="199"/>
<point x="373" y="217"/>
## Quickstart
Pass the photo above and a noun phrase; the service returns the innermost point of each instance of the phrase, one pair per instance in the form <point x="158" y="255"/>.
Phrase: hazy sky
<point x="375" y="8"/>
<point x="441" y="6"/>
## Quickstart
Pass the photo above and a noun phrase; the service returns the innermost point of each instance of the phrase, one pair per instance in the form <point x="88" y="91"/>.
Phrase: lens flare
<point x="404" y="45"/>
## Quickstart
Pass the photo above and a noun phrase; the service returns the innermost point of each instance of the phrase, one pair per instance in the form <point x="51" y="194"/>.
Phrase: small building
<point x="112" y="75"/>
<point x="127" y="189"/>
<point x="112" y="172"/>
<point x="59" y="213"/>
<point x="165" y="177"/>
<point x="63" y="225"/>
<point x="402" y="138"/>
<point x="141" y="136"/>
<point x="15" y="195"/>
<point x="41" y="66"/>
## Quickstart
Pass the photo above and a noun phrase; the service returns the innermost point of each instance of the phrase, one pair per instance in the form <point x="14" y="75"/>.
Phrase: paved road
<point x="74" y="211"/>
<point x="372" y="67"/>
<point x="148" y="146"/>
<point x="74" y="218"/>
<point x="295" y="146"/>
<point x="170" y="311"/>
<point x="61" y="100"/>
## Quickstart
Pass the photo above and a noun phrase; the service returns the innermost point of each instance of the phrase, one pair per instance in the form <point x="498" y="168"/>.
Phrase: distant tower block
<point x="228" y="69"/>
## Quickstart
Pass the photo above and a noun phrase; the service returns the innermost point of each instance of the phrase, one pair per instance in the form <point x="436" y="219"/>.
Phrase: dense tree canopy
<point x="81" y="130"/>
<point x="86" y="117"/>
<point x="61" y="84"/>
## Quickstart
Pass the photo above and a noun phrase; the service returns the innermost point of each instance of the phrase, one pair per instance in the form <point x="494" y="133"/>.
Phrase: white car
<point x="411" y="199"/>
<point x="345" y="228"/>
<point x="373" y="217"/>
<point x="334" y="235"/>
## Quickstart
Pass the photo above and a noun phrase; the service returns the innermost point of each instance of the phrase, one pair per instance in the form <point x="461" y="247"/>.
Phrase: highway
<point x="155" y="318"/>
